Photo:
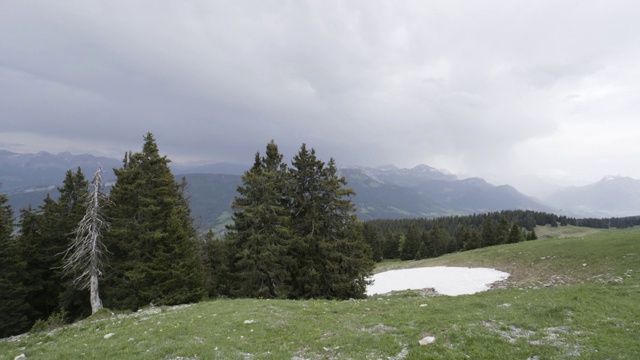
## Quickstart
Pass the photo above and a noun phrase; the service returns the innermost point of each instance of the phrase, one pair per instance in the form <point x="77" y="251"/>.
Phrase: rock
<point x="109" y="335"/>
<point x="423" y="305"/>
<point x="249" y="322"/>
<point x="20" y="357"/>
<point x="427" y="340"/>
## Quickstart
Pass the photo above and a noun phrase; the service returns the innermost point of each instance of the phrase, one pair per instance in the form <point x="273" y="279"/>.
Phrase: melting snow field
<point x="444" y="279"/>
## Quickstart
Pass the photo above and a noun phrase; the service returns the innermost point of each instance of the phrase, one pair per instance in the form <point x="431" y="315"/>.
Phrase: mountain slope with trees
<point x="293" y="233"/>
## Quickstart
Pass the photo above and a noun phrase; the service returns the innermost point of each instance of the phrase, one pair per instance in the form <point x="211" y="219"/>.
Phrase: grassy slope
<point x="554" y="308"/>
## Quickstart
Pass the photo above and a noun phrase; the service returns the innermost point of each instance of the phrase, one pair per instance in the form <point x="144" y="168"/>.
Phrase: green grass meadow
<point x="573" y="294"/>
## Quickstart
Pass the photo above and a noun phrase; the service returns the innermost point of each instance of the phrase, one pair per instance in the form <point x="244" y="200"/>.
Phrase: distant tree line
<point x="605" y="223"/>
<point x="409" y="239"/>
<point x="294" y="236"/>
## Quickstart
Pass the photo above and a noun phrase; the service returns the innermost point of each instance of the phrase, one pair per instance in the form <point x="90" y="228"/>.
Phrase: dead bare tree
<point x="84" y="257"/>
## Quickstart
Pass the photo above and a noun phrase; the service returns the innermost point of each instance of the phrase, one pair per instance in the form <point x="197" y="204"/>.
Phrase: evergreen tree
<point x="426" y="249"/>
<point x="152" y="238"/>
<point x="422" y="251"/>
<point x="28" y="239"/>
<point x="391" y="246"/>
<point x="515" y="234"/>
<point x="45" y="234"/>
<point x="463" y="237"/>
<point x="502" y="232"/>
<point x="43" y="239"/>
<point x="439" y="240"/>
<point x="259" y="236"/>
<point x="476" y="240"/>
<point x="213" y="255"/>
<point x="13" y="293"/>
<point x="374" y="239"/>
<point x="333" y="261"/>
<point x="70" y="209"/>
<point x="412" y="242"/>
<point x="488" y="232"/>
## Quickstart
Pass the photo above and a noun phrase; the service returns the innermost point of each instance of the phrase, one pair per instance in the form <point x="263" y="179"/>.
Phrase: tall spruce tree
<point x="391" y="246"/>
<point x="488" y="232"/>
<point x="502" y="231"/>
<point x="333" y="261"/>
<point x="13" y="293"/>
<point x="70" y="209"/>
<point x="258" y="239"/>
<point x="152" y="238"/>
<point x="515" y="234"/>
<point x="45" y="234"/>
<point x="213" y="255"/>
<point x="412" y="241"/>
<point x="374" y="240"/>
<point x="439" y="239"/>
<point x="29" y="238"/>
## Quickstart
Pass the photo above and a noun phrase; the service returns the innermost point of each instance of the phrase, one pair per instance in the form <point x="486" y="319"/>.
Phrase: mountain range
<point x="384" y="192"/>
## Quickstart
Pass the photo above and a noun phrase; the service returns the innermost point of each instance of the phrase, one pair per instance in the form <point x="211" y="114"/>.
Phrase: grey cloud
<point x="367" y="83"/>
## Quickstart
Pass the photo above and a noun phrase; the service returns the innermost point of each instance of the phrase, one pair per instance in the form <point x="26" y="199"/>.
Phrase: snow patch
<point x="445" y="280"/>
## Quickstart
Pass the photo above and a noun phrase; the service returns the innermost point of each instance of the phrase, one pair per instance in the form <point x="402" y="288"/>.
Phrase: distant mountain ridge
<point x="612" y="196"/>
<point x="385" y="192"/>
<point x="423" y="191"/>
<point x="18" y="171"/>
<point x="406" y="177"/>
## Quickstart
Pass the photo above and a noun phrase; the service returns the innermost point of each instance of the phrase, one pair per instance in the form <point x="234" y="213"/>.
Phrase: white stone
<point x="250" y="321"/>
<point x="427" y="340"/>
<point x="20" y="357"/>
<point x="109" y="335"/>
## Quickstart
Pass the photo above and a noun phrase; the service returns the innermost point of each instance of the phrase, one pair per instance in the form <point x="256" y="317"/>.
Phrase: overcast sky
<point x="504" y="90"/>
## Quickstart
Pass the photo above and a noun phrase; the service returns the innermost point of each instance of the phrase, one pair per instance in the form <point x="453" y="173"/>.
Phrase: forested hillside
<point x="294" y="234"/>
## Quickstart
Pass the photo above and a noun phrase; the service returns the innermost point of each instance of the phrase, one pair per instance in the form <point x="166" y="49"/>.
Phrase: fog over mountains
<point x="383" y="192"/>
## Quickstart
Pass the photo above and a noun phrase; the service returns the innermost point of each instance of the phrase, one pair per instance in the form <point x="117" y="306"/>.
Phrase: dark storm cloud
<point x="480" y="88"/>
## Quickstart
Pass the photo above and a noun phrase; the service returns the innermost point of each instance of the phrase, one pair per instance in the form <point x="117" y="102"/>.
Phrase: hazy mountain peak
<point x="612" y="196"/>
<point x="610" y="178"/>
<point x="387" y="167"/>
<point x="424" y="168"/>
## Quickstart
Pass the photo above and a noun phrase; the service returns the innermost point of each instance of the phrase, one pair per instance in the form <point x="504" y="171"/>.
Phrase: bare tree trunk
<point x="94" y="297"/>
<point x="94" y="294"/>
<point x="83" y="259"/>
